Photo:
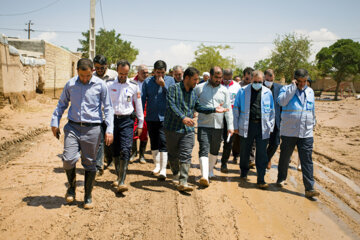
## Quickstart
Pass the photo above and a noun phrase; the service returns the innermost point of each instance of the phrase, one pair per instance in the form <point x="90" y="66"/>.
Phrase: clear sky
<point x="255" y="22"/>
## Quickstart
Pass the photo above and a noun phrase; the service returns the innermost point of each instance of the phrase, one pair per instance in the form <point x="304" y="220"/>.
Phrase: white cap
<point x="206" y="74"/>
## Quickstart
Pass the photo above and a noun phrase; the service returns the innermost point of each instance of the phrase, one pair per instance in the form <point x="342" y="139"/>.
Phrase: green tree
<point x="263" y="64"/>
<point x="341" y="60"/>
<point x="291" y="52"/>
<point x="109" y="44"/>
<point x="207" y="57"/>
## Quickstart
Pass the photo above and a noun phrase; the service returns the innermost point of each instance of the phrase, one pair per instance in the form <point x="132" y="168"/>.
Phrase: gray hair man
<point x="178" y="73"/>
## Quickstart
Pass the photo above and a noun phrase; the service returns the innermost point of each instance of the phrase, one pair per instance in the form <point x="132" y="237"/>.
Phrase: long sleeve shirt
<point x="212" y="97"/>
<point x="155" y="98"/>
<point x="181" y="104"/>
<point x="123" y="96"/>
<point x="86" y="101"/>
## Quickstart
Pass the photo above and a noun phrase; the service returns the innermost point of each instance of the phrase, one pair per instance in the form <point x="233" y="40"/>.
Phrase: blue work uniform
<point x="254" y="129"/>
<point x="296" y="128"/>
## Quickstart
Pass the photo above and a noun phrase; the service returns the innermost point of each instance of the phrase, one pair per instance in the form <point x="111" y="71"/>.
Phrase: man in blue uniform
<point x="296" y="129"/>
<point x="87" y="95"/>
<point x="254" y="119"/>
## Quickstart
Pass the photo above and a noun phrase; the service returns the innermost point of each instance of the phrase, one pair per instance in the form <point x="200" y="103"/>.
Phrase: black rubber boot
<point x="122" y="176"/>
<point x="116" y="161"/>
<point x="142" y="151"/>
<point x="70" y="193"/>
<point x="89" y="184"/>
<point x="133" y="151"/>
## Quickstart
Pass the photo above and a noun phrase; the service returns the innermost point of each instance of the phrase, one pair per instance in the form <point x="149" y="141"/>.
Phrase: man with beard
<point x="210" y="127"/>
<point x="179" y="125"/>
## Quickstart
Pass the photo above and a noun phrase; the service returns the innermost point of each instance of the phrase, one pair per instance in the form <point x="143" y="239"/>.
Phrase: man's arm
<point x="171" y="102"/>
<point x="236" y="112"/>
<point x="109" y="113"/>
<point x="229" y="114"/>
<point x="59" y="110"/>
<point x="139" y="110"/>
<point x="286" y="94"/>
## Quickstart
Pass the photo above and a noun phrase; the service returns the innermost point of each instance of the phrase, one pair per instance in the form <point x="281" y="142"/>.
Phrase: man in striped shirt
<point x="179" y="125"/>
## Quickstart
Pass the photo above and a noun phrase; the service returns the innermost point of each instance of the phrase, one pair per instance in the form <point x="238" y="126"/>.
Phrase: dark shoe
<point x="243" y="178"/>
<point x="142" y="149"/>
<point x="89" y="184"/>
<point x="263" y="185"/>
<point x="312" y="193"/>
<point x="70" y="193"/>
<point x="280" y="183"/>
<point x="99" y="172"/>
<point x="184" y="188"/>
<point x="133" y="152"/>
<point x="122" y="176"/>
<point x="224" y="168"/>
<point x="235" y="160"/>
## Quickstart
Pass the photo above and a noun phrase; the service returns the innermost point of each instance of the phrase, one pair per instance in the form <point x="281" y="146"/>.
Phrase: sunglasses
<point x="100" y="68"/>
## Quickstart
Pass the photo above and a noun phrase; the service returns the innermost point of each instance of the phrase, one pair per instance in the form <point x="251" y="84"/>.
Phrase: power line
<point x="177" y="39"/>
<point x="32" y="11"/>
<point x="102" y="15"/>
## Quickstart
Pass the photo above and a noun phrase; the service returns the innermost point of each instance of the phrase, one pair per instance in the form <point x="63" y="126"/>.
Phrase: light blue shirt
<point x="298" y="111"/>
<point x="241" y="111"/>
<point x="86" y="101"/>
<point x="212" y="97"/>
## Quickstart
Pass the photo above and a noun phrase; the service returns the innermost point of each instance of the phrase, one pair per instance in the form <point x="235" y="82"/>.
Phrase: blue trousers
<point x="123" y="137"/>
<point x="261" y="160"/>
<point x="100" y="153"/>
<point x="305" y="147"/>
<point x="157" y="135"/>
<point x="274" y="142"/>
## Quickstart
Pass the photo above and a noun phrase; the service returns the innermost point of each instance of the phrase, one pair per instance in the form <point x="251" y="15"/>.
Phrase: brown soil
<point x="33" y="185"/>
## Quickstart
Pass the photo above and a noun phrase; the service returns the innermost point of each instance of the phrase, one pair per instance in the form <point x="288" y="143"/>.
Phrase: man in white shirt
<point x="233" y="88"/>
<point x="210" y="127"/>
<point x="123" y="93"/>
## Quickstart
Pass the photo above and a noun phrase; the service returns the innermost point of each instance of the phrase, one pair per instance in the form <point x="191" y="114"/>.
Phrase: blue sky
<point x="199" y="20"/>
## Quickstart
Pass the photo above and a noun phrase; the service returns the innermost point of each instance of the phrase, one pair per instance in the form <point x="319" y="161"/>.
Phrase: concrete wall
<point x="18" y="82"/>
<point x="28" y="45"/>
<point x="325" y="83"/>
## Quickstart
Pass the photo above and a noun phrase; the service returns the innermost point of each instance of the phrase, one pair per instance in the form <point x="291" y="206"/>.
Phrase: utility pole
<point x="92" y="30"/>
<point x="29" y="28"/>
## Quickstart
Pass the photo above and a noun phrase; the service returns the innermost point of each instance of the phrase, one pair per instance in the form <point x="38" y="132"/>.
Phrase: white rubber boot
<point x="204" y="167"/>
<point x="156" y="158"/>
<point x="163" y="164"/>
<point x="212" y="162"/>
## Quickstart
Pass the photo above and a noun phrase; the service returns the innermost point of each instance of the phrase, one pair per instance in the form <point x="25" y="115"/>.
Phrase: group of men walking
<point x="106" y="117"/>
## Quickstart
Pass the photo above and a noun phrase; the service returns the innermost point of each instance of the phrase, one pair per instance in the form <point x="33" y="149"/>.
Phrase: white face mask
<point x="268" y="84"/>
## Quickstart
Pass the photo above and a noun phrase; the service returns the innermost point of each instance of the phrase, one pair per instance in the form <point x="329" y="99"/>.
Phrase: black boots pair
<point x="141" y="152"/>
<point x="120" y="169"/>
<point x="89" y="184"/>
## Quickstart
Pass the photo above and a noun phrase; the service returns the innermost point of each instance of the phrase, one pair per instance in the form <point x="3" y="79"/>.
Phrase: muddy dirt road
<point x="33" y="185"/>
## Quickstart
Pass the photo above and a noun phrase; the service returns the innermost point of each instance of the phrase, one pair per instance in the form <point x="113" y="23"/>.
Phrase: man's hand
<point x="109" y="138"/>
<point x="56" y="132"/>
<point x="160" y="81"/>
<point x="236" y="131"/>
<point x="139" y="131"/>
<point x="220" y="109"/>
<point x="294" y="81"/>
<point x="231" y="132"/>
<point x="188" y="122"/>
